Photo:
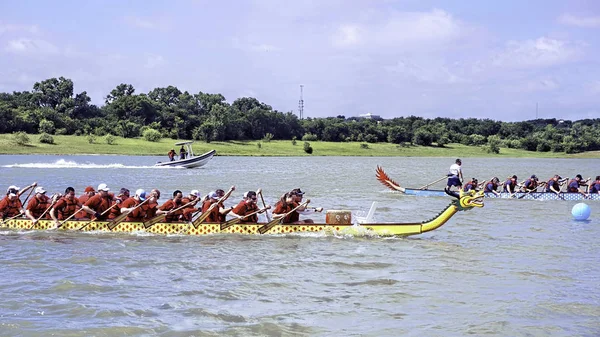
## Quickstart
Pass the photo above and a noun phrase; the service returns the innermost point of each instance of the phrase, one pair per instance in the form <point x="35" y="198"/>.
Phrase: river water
<point x="512" y="268"/>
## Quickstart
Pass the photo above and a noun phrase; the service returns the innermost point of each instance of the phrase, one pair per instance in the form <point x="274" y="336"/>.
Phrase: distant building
<point x="370" y="116"/>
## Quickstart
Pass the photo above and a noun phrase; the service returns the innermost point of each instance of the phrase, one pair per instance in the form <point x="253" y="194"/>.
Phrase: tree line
<point x="52" y="108"/>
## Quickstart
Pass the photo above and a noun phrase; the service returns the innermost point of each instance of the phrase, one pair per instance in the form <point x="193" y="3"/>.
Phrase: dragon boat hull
<point x="505" y="195"/>
<point x="388" y="182"/>
<point x="461" y="203"/>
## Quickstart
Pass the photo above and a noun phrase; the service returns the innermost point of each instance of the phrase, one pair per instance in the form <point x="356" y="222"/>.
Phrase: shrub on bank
<point x="46" y="138"/>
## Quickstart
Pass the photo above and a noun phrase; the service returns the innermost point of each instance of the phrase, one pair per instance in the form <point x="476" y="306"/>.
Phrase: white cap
<point x="141" y="194"/>
<point x="40" y="189"/>
<point x="195" y="192"/>
<point x="103" y="187"/>
<point x="213" y="195"/>
<point x="12" y="195"/>
<point x="12" y="187"/>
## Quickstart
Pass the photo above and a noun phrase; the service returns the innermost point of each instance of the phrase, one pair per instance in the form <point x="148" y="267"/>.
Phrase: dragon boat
<point x="338" y="221"/>
<point x="383" y="177"/>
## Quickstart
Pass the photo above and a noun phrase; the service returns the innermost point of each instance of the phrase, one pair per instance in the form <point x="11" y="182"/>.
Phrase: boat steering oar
<point x="206" y="213"/>
<point x="122" y="216"/>
<point x="96" y="218"/>
<point x="162" y="217"/>
<point x="431" y="183"/>
<point x="267" y="227"/>
<point x="235" y="220"/>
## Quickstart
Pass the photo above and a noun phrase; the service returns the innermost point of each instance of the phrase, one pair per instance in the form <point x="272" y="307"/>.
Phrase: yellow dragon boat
<point x="339" y="221"/>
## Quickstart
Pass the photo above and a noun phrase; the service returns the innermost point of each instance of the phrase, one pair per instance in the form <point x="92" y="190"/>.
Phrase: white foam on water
<point x="63" y="163"/>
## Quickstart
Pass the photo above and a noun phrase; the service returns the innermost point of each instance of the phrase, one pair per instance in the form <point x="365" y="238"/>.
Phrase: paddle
<point x="267" y="227"/>
<point x="67" y="219"/>
<point x="46" y="211"/>
<point x="122" y="216"/>
<point x="162" y="217"/>
<point x="94" y="219"/>
<point x="28" y="195"/>
<point x="527" y="193"/>
<point x="431" y="183"/>
<point x="236" y="220"/>
<point x="205" y="214"/>
<point x="264" y="204"/>
<point x="11" y="218"/>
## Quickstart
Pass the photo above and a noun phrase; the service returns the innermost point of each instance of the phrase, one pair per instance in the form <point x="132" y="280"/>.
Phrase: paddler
<point x="190" y="209"/>
<point x="66" y="206"/>
<point x="130" y="206"/>
<point x="553" y="185"/>
<point x="595" y="186"/>
<point x="171" y="205"/>
<point x="99" y="203"/>
<point x="10" y="205"/>
<point x="37" y="206"/>
<point x="531" y="184"/>
<point x="288" y="202"/>
<point x="510" y="186"/>
<point x="471" y="185"/>
<point x="575" y="185"/>
<point x="246" y="207"/>
<point x="492" y="186"/>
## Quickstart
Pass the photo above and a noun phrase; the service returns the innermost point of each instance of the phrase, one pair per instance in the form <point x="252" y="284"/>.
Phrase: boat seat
<point x="369" y="217"/>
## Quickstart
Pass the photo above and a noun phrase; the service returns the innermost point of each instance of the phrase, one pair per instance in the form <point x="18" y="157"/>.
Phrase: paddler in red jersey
<point x="38" y="205"/>
<point x="66" y="206"/>
<point x="189" y="211"/>
<point x="171" y="205"/>
<point x="130" y="206"/>
<point x="99" y="203"/>
<point x="10" y="205"/>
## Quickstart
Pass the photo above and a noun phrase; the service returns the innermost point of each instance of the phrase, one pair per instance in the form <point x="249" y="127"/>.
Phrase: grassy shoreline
<point x="77" y="145"/>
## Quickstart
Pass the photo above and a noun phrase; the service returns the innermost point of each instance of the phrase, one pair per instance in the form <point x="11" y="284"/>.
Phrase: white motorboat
<point x="190" y="160"/>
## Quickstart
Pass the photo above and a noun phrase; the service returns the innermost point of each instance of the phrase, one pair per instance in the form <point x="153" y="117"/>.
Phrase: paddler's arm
<point x="25" y="189"/>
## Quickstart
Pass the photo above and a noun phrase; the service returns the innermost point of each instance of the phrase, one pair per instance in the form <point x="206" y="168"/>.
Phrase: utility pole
<point x="301" y="104"/>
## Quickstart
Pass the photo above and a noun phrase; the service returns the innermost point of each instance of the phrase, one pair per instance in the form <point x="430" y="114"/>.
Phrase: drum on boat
<point x="338" y="217"/>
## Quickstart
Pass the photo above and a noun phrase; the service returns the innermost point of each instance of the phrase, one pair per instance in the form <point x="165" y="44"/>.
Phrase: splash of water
<point x="63" y="163"/>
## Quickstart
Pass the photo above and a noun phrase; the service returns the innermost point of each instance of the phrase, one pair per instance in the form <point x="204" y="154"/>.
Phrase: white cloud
<point x="580" y="21"/>
<point x="7" y="27"/>
<point x="162" y="24"/>
<point x="31" y="47"/>
<point x="544" y="84"/>
<point x="542" y="52"/>
<point x="154" y="61"/>
<point x="425" y="71"/>
<point x="399" y="29"/>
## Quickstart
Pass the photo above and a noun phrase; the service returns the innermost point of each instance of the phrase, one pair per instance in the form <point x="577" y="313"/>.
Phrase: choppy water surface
<point x="513" y="268"/>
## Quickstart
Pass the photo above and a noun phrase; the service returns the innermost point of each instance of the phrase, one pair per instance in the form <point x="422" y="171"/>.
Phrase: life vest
<point x="70" y="206"/>
<point x="37" y="207"/>
<point x="552" y="183"/>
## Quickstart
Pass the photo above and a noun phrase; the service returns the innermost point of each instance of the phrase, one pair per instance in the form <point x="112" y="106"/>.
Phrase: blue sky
<point x="456" y="59"/>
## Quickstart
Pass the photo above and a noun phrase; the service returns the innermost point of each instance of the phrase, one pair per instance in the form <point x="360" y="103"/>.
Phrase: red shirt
<point x="99" y="204"/>
<point x="244" y="208"/>
<point x="171" y="205"/>
<point x="37" y="206"/>
<point x="65" y="208"/>
<point x="10" y="208"/>
<point x="136" y="215"/>
<point x="284" y="207"/>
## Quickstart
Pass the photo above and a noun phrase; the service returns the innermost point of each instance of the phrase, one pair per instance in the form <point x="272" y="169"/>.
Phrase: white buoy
<point x="581" y="211"/>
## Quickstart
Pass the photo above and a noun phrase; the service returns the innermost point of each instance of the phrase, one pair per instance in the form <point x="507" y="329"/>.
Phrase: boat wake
<point x="62" y="164"/>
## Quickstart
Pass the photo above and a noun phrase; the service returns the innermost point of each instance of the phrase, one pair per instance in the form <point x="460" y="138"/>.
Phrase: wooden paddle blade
<point x="116" y="221"/>
<point x="155" y="220"/>
<point x="201" y="218"/>
<point x="229" y="223"/>
<point x="265" y="228"/>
